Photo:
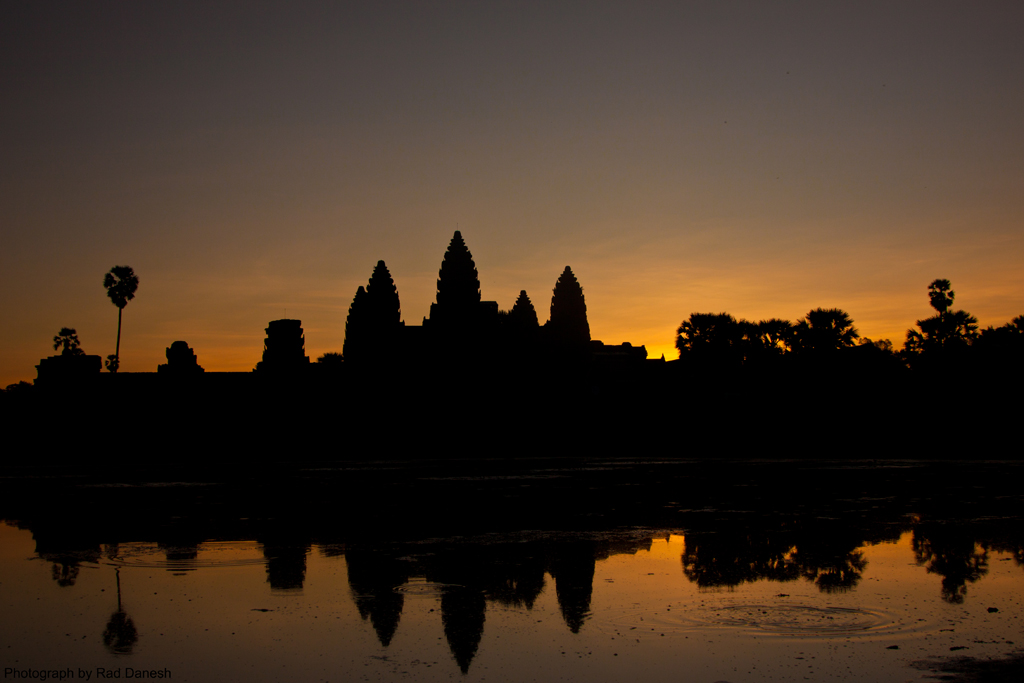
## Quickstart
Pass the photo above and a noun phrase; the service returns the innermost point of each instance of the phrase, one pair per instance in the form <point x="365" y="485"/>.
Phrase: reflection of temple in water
<point x="469" y="577"/>
<point x="374" y="577"/>
<point x="467" y="541"/>
<point x="286" y="563"/>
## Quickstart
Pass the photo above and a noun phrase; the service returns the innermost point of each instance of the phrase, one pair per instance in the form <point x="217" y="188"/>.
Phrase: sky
<point x="253" y="160"/>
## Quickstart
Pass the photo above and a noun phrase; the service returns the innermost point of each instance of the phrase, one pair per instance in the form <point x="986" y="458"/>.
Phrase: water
<point x="215" y="582"/>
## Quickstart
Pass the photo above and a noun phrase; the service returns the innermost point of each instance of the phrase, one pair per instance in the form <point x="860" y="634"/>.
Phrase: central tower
<point x="458" y="291"/>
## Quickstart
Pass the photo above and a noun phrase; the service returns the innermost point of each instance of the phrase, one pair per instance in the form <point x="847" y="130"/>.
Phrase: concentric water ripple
<point x="788" y="619"/>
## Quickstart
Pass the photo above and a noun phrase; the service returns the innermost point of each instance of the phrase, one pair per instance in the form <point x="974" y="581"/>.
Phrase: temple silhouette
<point x="461" y="330"/>
<point x="472" y="378"/>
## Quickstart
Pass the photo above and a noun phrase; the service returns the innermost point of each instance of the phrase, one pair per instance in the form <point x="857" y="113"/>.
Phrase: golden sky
<point x="252" y="161"/>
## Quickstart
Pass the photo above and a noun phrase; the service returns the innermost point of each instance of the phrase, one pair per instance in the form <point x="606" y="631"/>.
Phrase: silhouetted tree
<point x="824" y="329"/>
<point x="67" y="339"/>
<point x="710" y="337"/>
<point x="1002" y="349"/>
<point x="775" y="334"/>
<point x="121" y="284"/>
<point x="330" y="358"/>
<point x="940" y="294"/>
<point x="881" y="344"/>
<point x="948" y="331"/>
<point x="568" y="324"/>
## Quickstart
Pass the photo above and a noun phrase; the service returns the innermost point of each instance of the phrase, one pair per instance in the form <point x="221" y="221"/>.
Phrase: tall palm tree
<point x="121" y="283"/>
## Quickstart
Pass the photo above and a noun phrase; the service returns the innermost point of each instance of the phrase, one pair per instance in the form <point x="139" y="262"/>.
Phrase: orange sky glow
<point x="253" y="162"/>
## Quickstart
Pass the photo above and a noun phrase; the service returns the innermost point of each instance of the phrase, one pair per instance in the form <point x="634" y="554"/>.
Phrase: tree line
<point x="948" y="336"/>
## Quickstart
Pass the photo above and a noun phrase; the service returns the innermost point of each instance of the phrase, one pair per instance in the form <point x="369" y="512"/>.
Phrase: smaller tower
<point x="284" y="348"/>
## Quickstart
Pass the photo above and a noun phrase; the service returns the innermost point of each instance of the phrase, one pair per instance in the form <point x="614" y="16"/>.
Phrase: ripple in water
<point x="791" y="620"/>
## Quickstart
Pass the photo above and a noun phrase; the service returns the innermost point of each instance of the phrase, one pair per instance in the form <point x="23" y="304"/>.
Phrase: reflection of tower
<point x="517" y="580"/>
<point x="573" y="571"/>
<point x="463" y="605"/>
<point x="286" y="565"/>
<point x="373" y="578"/>
<point x="181" y="557"/>
<point x="120" y="635"/>
<point x="463" y="614"/>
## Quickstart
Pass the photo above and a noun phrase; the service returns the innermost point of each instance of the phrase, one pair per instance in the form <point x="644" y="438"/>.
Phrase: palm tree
<point x="120" y="635"/>
<point x="68" y="338"/>
<point x="710" y="333"/>
<point x="941" y="294"/>
<point x="121" y="283"/>
<point x="948" y="330"/>
<point x="825" y="329"/>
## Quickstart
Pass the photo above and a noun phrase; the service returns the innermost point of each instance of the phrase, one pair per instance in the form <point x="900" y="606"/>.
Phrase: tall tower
<point x="568" y="325"/>
<point x="374" y="319"/>
<point x="458" y="286"/>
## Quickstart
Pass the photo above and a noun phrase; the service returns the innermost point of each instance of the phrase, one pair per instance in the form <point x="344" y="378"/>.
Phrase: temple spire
<point x="458" y="285"/>
<point x="568" y="324"/>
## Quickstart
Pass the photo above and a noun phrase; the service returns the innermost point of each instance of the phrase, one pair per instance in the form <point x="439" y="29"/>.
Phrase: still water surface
<point x="732" y="592"/>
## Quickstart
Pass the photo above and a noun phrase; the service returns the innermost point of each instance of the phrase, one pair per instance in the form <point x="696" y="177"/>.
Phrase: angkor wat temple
<point x="462" y="328"/>
<point x="461" y="331"/>
<point x="475" y="379"/>
<point x="467" y="363"/>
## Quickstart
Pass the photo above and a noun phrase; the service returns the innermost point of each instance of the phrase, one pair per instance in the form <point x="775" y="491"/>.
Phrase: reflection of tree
<point x="832" y="570"/>
<point x="65" y="550"/>
<point x="953" y="555"/>
<point x="720" y="559"/>
<point x="120" y="635"/>
<point x="65" y="572"/>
